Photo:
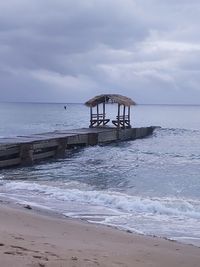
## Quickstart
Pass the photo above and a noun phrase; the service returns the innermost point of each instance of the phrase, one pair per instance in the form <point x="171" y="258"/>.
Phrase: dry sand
<point x="29" y="238"/>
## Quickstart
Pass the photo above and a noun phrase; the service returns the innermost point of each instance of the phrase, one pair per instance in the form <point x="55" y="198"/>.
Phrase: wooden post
<point x="124" y="113"/>
<point x="104" y="113"/>
<point x="90" y="116"/>
<point x="97" y="114"/>
<point x="92" y="139"/>
<point x="60" y="151"/>
<point x="118" y="123"/>
<point x="129" y="121"/>
<point x="26" y="154"/>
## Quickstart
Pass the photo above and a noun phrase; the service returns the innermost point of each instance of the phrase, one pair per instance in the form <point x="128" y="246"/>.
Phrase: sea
<point x="149" y="186"/>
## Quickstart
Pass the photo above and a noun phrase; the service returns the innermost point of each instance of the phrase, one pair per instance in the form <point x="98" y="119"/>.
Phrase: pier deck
<point x="28" y="150"/>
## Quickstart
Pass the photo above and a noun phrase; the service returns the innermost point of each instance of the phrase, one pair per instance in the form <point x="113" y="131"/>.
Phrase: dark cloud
<point x="70" y="50"/>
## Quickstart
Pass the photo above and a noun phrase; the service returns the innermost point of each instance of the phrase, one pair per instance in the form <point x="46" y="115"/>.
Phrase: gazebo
<point x="98" y="119"/>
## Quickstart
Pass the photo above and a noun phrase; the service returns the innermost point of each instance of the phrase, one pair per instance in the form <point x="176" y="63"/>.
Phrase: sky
<point x="71" y="50"/>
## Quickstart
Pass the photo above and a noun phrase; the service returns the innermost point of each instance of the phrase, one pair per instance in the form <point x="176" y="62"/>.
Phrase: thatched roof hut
<point x="98" y="119"/>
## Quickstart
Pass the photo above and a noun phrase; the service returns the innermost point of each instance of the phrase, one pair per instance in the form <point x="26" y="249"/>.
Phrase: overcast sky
<point x="71" y="50"/>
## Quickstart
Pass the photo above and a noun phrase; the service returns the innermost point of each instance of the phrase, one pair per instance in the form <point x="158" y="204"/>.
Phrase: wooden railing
<point x="98" y="120"/>
<point x="122" y="121"/>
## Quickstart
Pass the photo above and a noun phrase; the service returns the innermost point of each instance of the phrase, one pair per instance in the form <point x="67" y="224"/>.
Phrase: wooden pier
<point x="30" y="149"/>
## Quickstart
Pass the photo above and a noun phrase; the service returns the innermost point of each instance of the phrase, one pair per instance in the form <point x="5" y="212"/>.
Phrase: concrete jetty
<point x="31" y="149"/>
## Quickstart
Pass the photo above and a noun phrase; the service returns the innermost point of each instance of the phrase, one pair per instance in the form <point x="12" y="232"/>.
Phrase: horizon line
<point x="65" y="103"/>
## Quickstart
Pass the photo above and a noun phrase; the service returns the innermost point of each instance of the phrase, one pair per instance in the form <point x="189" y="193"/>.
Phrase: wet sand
<point x="30" y="238"/>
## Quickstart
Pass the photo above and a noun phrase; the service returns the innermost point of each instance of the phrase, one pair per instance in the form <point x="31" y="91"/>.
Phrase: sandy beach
<point x="30" y="238"/>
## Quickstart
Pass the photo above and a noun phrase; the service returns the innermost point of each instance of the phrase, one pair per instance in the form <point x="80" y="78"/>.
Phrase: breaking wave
<point x="113" y="200"/>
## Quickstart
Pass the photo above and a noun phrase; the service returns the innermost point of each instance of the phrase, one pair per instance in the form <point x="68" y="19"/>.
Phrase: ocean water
<point x="150" y="186"/>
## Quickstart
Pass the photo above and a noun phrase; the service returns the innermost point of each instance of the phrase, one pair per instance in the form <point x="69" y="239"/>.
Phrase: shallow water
<point x="150" y="186"/>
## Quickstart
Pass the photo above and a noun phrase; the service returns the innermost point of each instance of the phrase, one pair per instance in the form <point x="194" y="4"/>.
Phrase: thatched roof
<point x="120" y="99"/>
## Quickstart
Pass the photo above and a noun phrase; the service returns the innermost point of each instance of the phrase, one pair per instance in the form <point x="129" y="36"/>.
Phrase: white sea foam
<point x="117" y="201"/>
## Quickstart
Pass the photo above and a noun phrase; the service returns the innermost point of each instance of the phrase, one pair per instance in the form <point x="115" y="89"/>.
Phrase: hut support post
<point x="104" y="113"/>
<point x="91" y="116"/>
<point x="118" y="118"/>
<point x="97" y="114"/>
<point x="118" y="121"/>
<point x="124" y="114"/>
<point x="129" y="119"/>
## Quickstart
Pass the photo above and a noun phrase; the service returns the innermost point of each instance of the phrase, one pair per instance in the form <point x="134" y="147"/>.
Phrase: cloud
<point x="71" y="50"/>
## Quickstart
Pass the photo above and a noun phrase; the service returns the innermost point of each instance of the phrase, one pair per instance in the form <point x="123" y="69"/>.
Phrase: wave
<point x="113" y="200"/>
<point x="176" y="131"/>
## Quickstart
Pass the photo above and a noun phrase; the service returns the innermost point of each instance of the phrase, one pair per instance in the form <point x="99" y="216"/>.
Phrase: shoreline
<point x="34" y="237"/>
<point x="38" y="209"/>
